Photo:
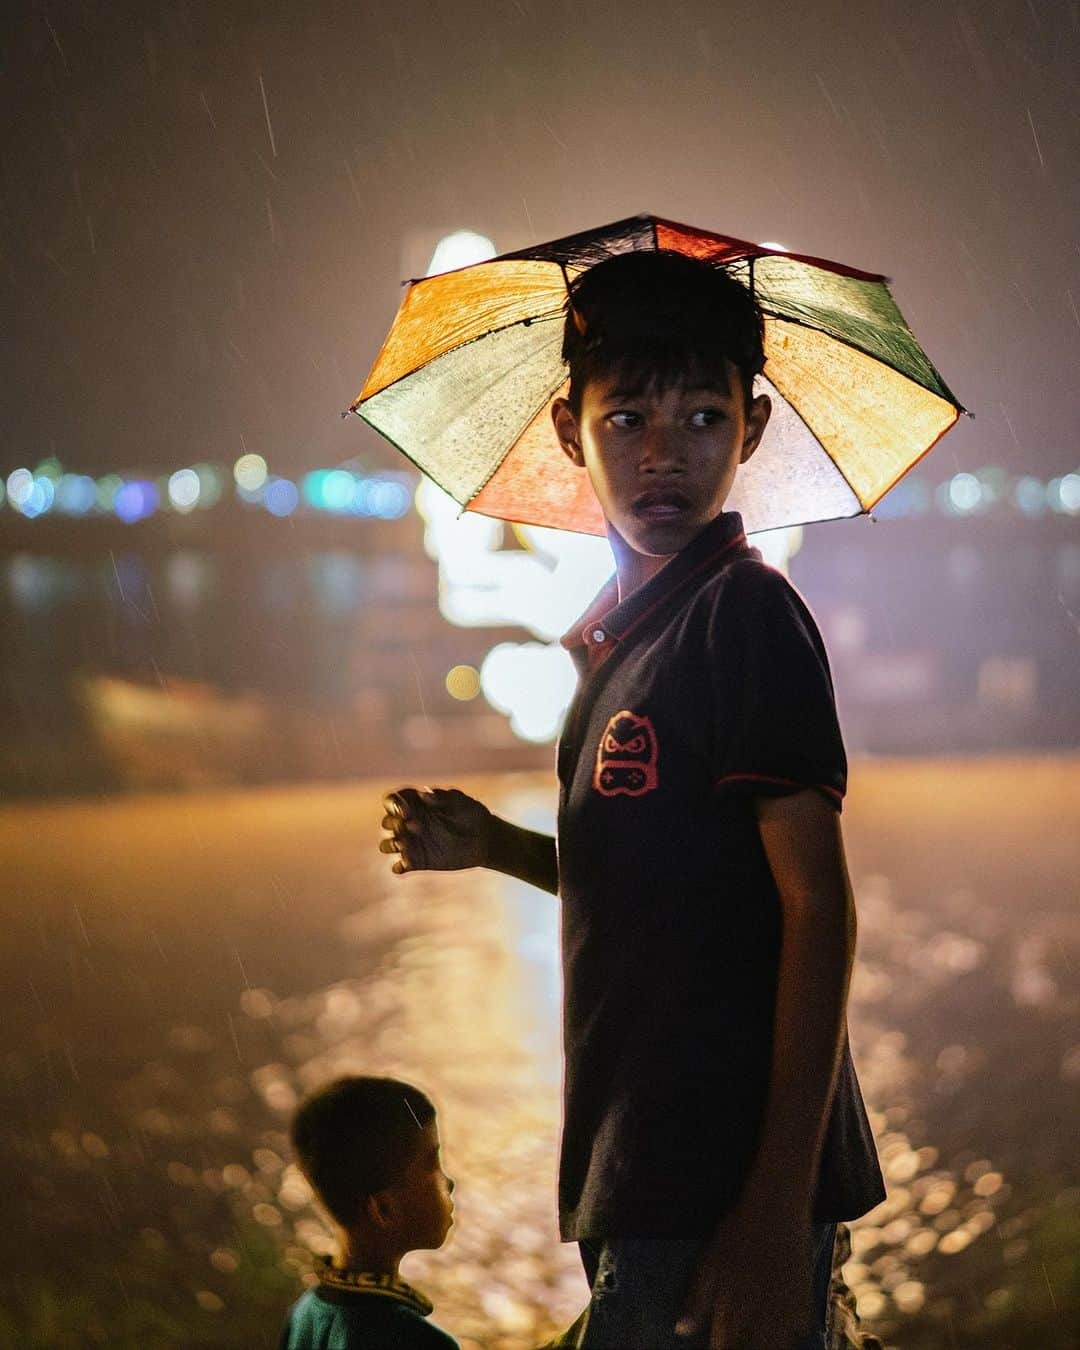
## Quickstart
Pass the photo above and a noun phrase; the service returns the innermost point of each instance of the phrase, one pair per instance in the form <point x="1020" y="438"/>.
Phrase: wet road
<point x="175" y="971"/>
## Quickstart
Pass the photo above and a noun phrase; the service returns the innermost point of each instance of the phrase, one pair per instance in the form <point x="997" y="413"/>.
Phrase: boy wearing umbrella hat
<point x="714" y="1132"/>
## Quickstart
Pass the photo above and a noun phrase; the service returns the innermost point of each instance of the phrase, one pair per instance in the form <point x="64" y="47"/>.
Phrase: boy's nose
<point x="662" y="453"/>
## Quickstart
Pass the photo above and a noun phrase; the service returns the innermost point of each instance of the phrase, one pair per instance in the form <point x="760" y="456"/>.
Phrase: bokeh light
<point x="281" y="497"/>
<point x="184" y="490"/>
<point x="463" y="683"/>
<point x="460" y="249"/>
<point x="384" y="498"/>
<point x="20" y="484"/>
<point x="336" y="490"/>
<point x="211" y="484"/>
<point x="188" y="576"/>
<point x="250" y="472"/>
<point x="135" y="500"/>
<point x="38" y="499"/>
<point x="105" y="490"/>
<point x="312" y="487"/>
<point x="462" y="542"/>
<point x="965" y="493"/>
<point x="1063" y="494"/>
<point x="76" y="494"/>
<point x="50" y="468"/>
<point x="1030" y="496"/>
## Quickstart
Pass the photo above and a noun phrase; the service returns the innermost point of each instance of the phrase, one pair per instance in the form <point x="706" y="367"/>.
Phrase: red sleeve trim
<point x="831" y="792"/>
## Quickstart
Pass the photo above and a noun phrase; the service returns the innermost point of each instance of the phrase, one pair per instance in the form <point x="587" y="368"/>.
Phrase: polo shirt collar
<point x="608" y="620"/>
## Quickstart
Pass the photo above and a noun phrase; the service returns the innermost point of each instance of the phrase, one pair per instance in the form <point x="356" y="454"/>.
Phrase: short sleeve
<point x="775" y="724"/>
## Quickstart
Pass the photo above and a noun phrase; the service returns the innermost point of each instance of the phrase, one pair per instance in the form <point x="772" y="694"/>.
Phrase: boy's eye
<point x="706" y="417"/>
<point x="625" y="418"/>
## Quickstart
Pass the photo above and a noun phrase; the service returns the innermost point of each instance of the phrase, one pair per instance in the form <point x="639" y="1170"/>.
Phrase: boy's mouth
<point x="660" y="504"/>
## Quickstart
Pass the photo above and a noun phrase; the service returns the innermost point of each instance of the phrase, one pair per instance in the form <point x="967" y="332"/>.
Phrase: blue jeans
<point x="638" y="1285"/>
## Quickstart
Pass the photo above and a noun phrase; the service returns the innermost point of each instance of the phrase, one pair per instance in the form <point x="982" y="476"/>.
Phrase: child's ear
<point x="566" y="428"/>
<point x="757" y="419"/>
<point x="380" y="1209"/>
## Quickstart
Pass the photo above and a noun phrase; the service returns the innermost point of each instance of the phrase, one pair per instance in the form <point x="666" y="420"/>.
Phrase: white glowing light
<point x="460" y="249"/>
<point x="771" y="243"/>
<point x="20" y="484"/>
<point x="250" y="472"/>
<point x="1068" y="494"/>
<point x="184" y="489"/>
<point x="965" y="492"/>
<point x="532" y="683"/>
<point x="542" y="587"/>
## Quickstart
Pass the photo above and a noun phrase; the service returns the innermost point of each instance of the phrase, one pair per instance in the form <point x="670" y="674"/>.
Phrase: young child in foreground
<point x="369" y="1148"/>
<point x="714" y="1132"/>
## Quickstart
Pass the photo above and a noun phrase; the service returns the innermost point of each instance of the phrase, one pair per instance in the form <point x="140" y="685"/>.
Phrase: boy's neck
<point x="356" y="1251"/>
<point x="633" y="569"/>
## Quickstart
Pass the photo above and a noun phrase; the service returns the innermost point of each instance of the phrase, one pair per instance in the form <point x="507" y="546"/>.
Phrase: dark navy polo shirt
<point x="705" y="688"/>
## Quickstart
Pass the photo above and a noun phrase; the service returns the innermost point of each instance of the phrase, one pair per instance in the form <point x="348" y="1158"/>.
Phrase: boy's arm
<point x="805" y="850"/>
<point x="446" y="830"/>
<point x="525" y="854"/>
<point x="758" y="1266"/>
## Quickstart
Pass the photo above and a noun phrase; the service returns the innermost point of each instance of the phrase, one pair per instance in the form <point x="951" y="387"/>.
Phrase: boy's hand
<point x="435" y="829"/>
<point x="752" y="1290"/>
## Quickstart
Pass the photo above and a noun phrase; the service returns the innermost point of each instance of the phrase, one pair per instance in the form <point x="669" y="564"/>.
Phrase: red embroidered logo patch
<point x="626" y="757"/>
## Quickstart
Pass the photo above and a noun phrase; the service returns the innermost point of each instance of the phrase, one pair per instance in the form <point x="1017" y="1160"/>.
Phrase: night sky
<point x="188" y="271"/>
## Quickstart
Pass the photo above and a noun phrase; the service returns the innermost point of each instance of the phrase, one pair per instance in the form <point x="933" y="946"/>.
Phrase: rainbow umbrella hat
<point x="465" y="379"/>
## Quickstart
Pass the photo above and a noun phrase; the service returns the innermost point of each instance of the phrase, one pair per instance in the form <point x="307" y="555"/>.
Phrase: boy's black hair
<point x="356" y="1136"/>
<point x="659" y="318"/>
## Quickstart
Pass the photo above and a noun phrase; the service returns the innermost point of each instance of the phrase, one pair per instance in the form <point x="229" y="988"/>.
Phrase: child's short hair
<point x="356" y="1136"/>
<point x="659" y="318"/>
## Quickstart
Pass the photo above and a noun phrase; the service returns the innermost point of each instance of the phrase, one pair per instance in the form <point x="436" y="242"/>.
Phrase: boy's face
<point x="423" y="1206"/>
<point x="661" y="462"/>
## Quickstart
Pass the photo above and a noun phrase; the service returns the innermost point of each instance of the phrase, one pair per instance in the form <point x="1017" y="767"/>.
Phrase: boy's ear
<point x="757" y="419"/>
<point x="566" y="428"/>
<point x="380" y="1209"/>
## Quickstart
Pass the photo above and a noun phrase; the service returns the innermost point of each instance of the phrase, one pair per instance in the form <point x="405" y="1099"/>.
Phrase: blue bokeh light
<point x="76" y="494"/>
<point x="135" y="500"/>
<point x="281" y="497"/>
